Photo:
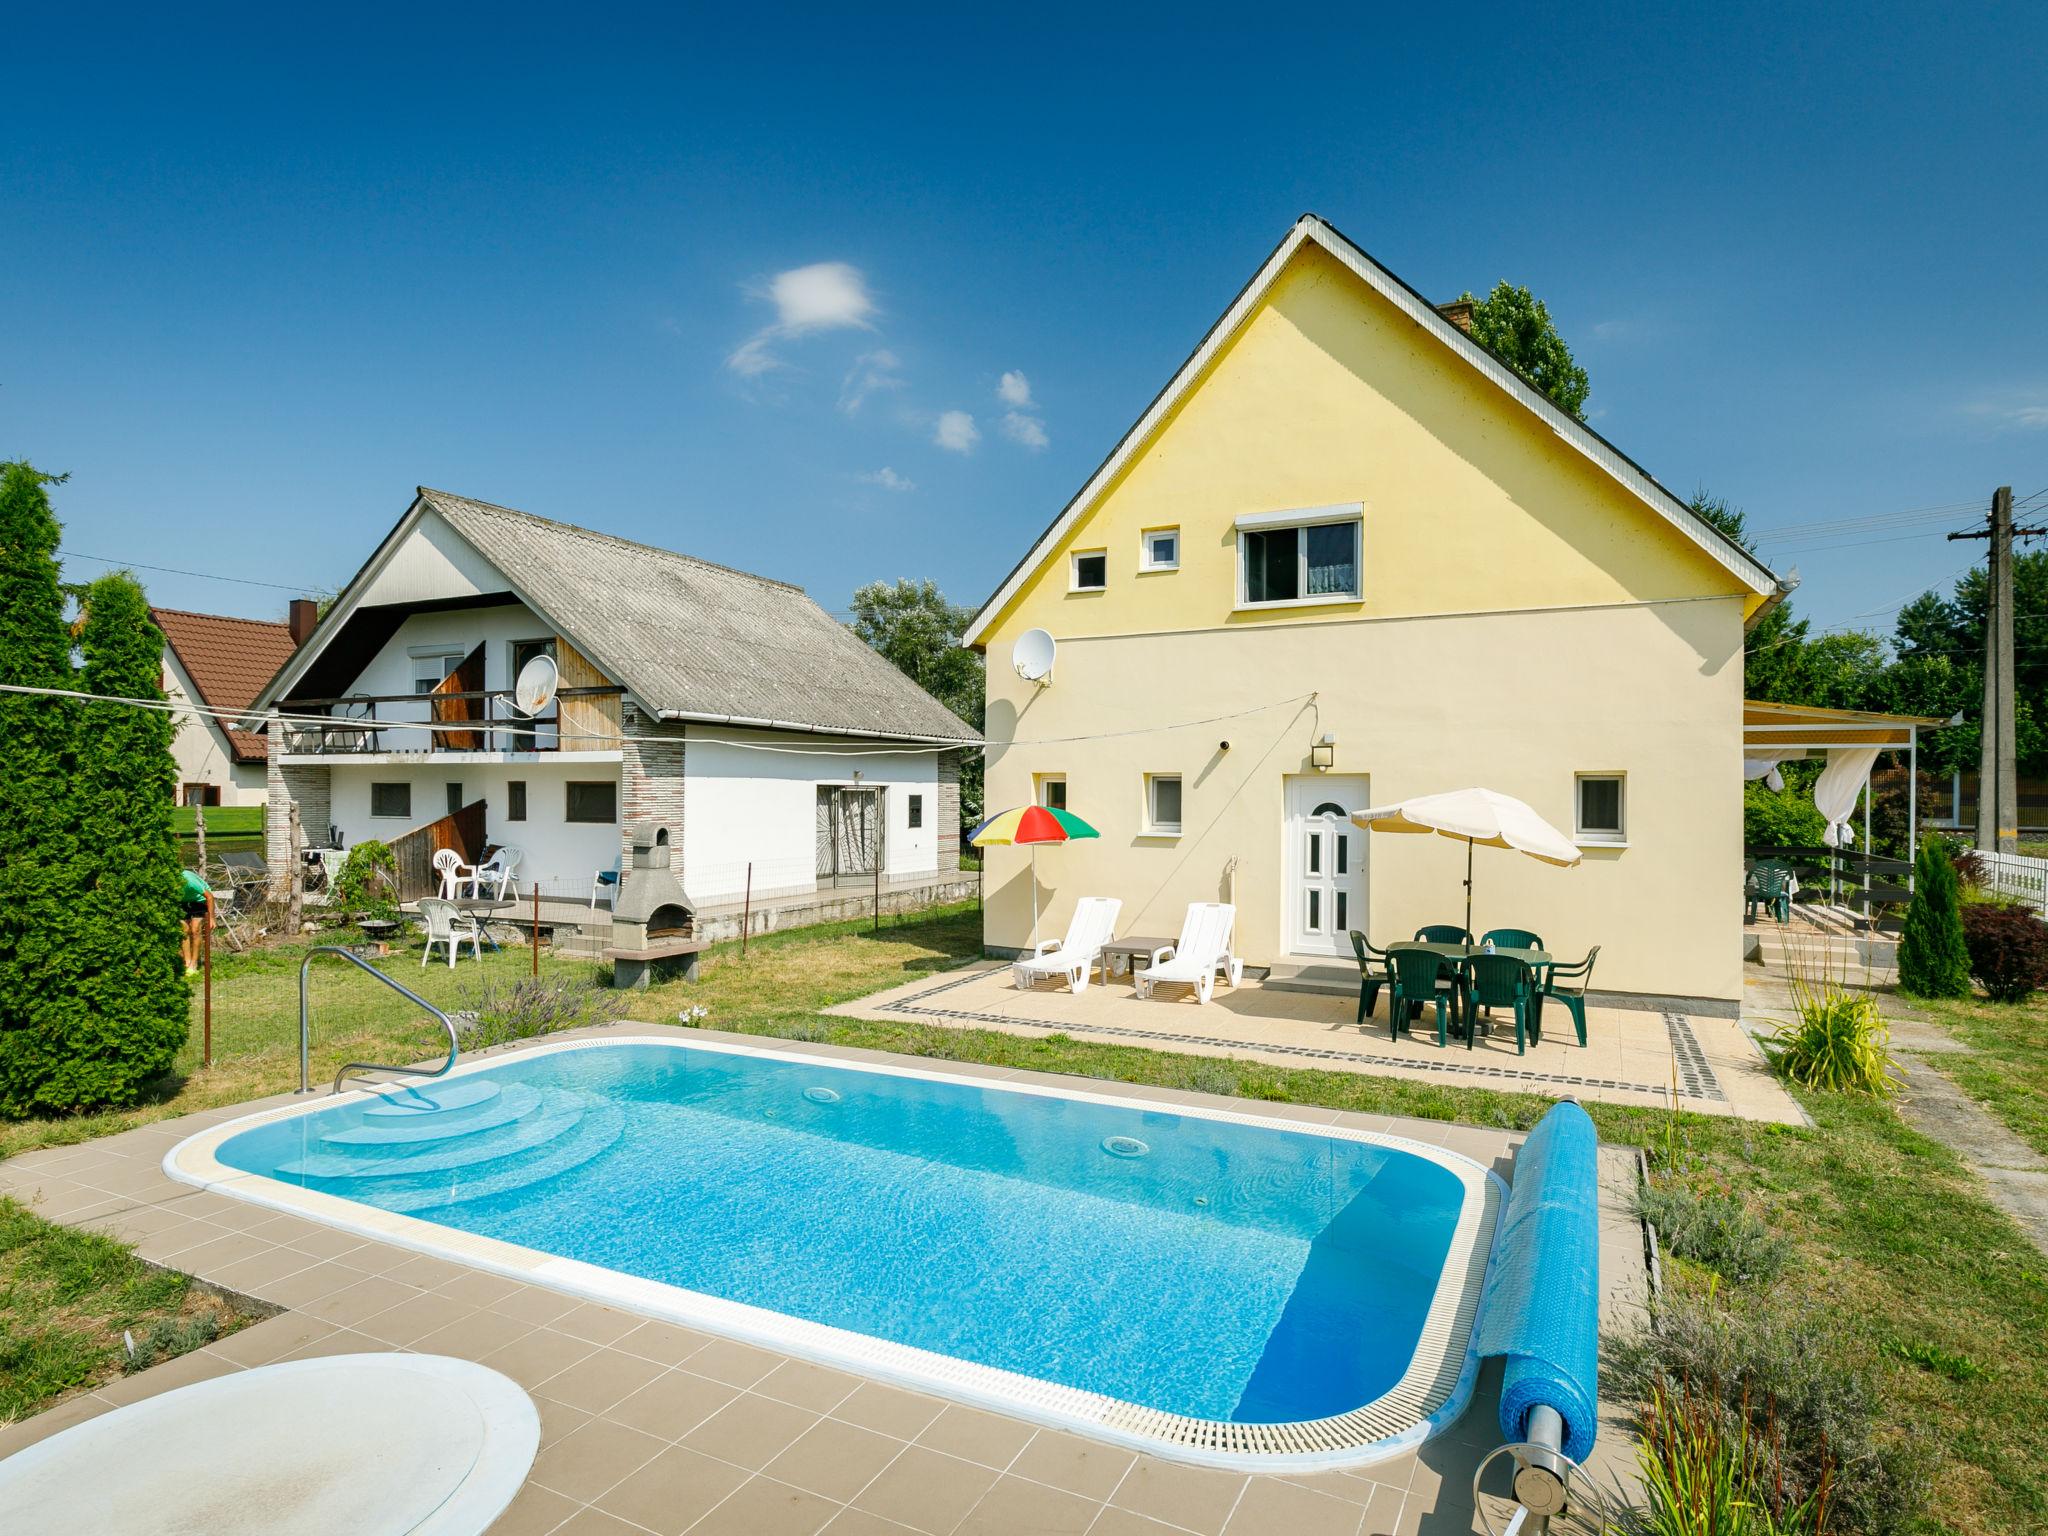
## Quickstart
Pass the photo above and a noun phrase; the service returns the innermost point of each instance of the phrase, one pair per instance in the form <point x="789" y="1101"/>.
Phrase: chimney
<point x="304" y="614"/>
<point x="1459" y="313"/>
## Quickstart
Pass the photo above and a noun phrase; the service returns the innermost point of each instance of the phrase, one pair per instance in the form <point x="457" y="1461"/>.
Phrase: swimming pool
<point x="1206" y="1283"/>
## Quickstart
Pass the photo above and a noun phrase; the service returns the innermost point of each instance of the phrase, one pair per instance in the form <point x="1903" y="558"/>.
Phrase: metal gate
<point x="849" y="834"/>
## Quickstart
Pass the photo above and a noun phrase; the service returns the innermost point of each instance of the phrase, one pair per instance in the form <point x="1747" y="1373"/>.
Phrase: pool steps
<point x="430" y="1146"/>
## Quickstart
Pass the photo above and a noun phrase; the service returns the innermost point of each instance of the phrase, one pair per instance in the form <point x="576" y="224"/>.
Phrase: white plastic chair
<point x="498" y="869"/>
<point x="453" y="872"/>
<point x="448" y="925"/>
<point x="603" y="878"/>
<point x="1202" y="954"/>
<point x="1093" y="925"/>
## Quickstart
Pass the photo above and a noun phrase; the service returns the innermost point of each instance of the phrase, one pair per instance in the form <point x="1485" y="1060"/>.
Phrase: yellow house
<point x="1345" y="557"/>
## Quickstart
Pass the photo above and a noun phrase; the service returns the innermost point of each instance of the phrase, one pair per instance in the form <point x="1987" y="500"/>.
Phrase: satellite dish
<point x="1033" y="655"/>
<point x="535" y="689"/>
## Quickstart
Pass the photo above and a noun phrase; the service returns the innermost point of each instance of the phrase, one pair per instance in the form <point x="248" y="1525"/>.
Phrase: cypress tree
<point x="42" y="873"/>
<point x="139" y="1009"/>
<point x="1933" y="960"/>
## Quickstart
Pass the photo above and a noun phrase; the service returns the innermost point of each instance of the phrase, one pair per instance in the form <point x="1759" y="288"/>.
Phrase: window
<point x="391" y="800"/>
<point x="916" y="812"/>
<point x="592" y="800"/>
<point x="1162" y="804"/>
<point x="1602" y="808"/>
<point x="1159" y="550"/>
<point x="201" y="794"/>
<point x="430" y="669"/>
<point x="515" y="800"/>
<point x="1090" y="570"/>
<point x="454" y="797"/>
<point x="1052" y="791"/>
<point x="1304" y="561"/>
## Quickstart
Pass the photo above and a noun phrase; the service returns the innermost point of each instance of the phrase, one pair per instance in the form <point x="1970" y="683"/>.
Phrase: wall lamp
<point x="1323" y="755"/>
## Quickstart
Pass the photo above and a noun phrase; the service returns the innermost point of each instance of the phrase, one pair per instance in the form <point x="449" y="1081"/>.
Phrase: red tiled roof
<point x="229" y="661"/>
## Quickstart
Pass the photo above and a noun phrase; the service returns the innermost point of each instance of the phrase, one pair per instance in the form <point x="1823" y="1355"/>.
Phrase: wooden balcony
<point x="584" y="719"/>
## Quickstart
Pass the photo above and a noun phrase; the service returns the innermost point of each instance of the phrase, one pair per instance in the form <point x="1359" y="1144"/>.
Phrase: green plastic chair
<point x="1443" y="933"/>
<point x="1771" y="884"/>
<point x="1501" y="981"/>
<point x="1372" y="973"/>
<point x="1415" y="977"/>
<point x="1573" y="998"/>
<point x="1511" y="938"/>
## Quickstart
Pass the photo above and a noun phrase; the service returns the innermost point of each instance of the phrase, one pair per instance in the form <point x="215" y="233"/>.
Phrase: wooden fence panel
<point x="414" y="851"/>
<point x="591" y="723"/>
<point x="466" y="678"/>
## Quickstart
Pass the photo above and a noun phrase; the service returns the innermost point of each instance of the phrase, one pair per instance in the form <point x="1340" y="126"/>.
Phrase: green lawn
<point x="2006" y="1067"/>
<point x="1891" y="1238"/>
<point x="67" y="1297"/>
<point x="221" y="820"/>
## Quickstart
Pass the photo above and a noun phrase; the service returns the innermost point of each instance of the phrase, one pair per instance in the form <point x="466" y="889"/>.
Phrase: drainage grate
<point x="1696" y="1079"/>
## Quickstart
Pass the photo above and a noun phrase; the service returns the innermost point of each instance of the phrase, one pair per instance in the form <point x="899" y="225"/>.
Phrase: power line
<point x="173" y="570"/>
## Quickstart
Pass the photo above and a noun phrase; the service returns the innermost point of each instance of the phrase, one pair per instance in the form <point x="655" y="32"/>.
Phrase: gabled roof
<point x="227" y="661"/>
<point x="1311" y="228"/>
<point x="689" y="640"/>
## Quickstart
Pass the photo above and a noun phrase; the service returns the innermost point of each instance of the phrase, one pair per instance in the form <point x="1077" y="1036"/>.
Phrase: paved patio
<point x="650" y="1427"/>
<point x="1631" y="1056"/>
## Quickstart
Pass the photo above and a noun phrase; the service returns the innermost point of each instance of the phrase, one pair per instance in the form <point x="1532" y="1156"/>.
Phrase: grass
<point x="221" y="820"/>
<point x="68" y="1298"/>
<point x="1882" y="1226"/>
<point x="2006" y="1066"/>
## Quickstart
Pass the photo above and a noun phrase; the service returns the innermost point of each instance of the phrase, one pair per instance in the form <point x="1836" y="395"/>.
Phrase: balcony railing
<point x="481" y="720"/>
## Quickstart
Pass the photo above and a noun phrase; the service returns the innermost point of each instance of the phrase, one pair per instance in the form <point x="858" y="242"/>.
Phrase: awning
<point x="1786" y="730"/>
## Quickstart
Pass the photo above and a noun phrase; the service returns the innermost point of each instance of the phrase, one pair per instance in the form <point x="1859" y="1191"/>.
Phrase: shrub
<point x="366" y="885"/>
<point x="1780" y="818"/>
<point x="1968" y="861"/>
<point x="1771" y="1375"/>
<point x="1713" y="1228"/>
<point x="2008" y="949"/>
<point x="534" y="1006"/>
<point x="1704" y="1477"/>
<point x="1933" y="961"/>
<point x="1840" y="1043"/>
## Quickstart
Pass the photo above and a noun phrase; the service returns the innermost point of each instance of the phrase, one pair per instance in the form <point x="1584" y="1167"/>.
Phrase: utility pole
<point x="1998" y="790"/>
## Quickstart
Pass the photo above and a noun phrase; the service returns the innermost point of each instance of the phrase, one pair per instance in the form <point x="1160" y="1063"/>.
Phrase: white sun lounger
<point x="1093" y="926"/>
<point x="1202" y="954"/>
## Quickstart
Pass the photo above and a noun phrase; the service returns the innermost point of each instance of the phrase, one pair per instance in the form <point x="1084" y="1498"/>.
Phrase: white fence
<point x="2021" y="878"/>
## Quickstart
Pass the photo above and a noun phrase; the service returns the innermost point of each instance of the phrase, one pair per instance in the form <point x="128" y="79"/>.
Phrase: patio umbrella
<point x="1028" y="826"/>
<point x="1478" y="817"/>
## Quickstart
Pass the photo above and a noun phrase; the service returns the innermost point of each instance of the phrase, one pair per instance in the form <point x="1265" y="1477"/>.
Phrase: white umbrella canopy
<point x="1476" y="817"/>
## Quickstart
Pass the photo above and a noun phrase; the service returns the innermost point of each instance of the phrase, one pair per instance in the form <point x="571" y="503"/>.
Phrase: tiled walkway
<point x="1630" y="1056"/>
<point x="649" y="1427"/>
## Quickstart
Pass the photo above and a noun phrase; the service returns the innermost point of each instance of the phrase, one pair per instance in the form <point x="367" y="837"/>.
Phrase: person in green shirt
<point x="192" y="894"/>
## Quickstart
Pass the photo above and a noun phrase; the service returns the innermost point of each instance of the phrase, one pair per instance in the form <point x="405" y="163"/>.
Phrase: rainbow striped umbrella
<point x="1028" y="826"/>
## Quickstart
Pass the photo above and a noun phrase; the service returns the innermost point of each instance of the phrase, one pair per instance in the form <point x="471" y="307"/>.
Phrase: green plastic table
<point x="1535" y="959"/>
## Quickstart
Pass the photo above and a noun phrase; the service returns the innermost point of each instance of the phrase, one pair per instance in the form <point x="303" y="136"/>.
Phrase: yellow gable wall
<point x="1525" y="620"/>
<point x="1329" y="394"/>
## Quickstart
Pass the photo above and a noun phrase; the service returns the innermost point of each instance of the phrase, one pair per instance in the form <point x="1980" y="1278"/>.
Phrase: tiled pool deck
<point x="1631" y="1055"/>
<point x="650" y="1427"/>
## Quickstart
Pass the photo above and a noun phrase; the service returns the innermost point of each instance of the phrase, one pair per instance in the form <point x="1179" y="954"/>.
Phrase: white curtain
<point x="1765" y="768"/>
<point x="1836" y="789"/>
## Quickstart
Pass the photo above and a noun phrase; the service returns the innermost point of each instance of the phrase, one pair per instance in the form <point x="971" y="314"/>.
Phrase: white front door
<point x="1325" y="863"/>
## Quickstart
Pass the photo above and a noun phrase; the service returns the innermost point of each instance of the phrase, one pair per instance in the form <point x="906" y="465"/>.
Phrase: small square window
<point x="1602" y="808"/>
<point x="1090" y="570"/>
<point x="916" y="812"/>
<point x="391" y="800"/>
<point x="595" y="800"/>
<point x="1162" y="804"/>
<point x="515" y="800"/>
<point x="1052" y="791"/>
<point x="1160" y="550"/>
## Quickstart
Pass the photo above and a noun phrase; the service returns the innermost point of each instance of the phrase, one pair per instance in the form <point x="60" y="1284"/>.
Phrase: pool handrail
<point x="306" y="1024"/>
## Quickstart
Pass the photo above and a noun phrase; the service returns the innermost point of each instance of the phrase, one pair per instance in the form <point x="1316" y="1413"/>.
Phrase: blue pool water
<point x="1200" y="1267"/>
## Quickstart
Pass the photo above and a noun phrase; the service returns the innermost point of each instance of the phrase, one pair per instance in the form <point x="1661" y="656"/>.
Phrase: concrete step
<point x="1330" y="978"/>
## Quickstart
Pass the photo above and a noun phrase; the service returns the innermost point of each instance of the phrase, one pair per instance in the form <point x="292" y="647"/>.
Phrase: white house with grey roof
<point x="727" y="708"/>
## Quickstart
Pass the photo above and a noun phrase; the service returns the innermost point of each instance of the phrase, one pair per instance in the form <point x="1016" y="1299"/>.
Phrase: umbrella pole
<point x="1034" y="896"/>
<point x="1468" y="885"/>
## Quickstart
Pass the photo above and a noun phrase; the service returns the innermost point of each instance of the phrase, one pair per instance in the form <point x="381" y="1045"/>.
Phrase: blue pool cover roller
<point x="1542" y="1302"/>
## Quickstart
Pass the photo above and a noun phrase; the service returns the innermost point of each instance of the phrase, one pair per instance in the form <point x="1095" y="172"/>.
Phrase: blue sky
<point x="735" y="282"/>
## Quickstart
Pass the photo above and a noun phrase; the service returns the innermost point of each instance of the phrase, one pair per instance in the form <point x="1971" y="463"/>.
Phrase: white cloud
<point x="2023" y="409"/>
<point x="887" y="479"/>
<point x="1014" y="389"/>
<point x="825" y="296"/>
<point x="2032" y="417"/>
<point x="871" y="371"/>
<point x="1028" y="430"/>
<point x="956" y="431"/>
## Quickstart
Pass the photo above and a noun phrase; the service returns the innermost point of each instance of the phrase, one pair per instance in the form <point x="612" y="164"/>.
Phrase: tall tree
<point x="42" y="870"/>
<point x="912" y="624"/>
<point x="139" y="1007"/>
<point x="1513" y="322"/>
